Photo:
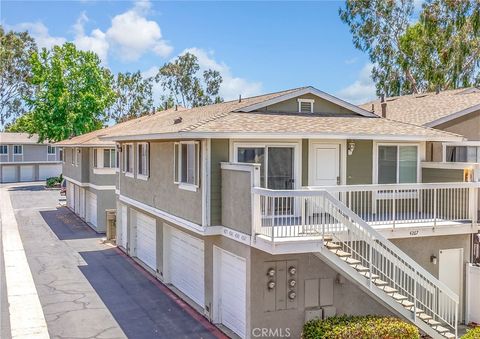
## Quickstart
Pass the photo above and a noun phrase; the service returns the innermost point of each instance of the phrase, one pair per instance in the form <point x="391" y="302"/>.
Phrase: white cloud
<point x="231" y="86"/>
<point x="362" y="89"/>
<point x="134" y="35"/>
<point x="95" y="42"/>
<point x="351" y="61"/>
<point x="40" y="33"/>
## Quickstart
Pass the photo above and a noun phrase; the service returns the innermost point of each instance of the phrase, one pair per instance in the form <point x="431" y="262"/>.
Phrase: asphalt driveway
<point x="88" y="289"/>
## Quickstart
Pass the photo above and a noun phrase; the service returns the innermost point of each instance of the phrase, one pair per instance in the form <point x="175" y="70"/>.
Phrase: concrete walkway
<point x="20" y="288"/>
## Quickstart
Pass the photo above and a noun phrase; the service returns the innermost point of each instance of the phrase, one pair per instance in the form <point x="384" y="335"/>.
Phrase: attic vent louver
<point x="305" y="105"/>
<point x="177" y="120"/>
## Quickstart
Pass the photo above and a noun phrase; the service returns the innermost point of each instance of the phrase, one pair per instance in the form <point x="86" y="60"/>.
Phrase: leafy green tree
<point x="133" y="96"/>
<point x="20" y="124"/>
<point x="15" y="51"/>
<point x="181" y="79"/>
<point x="73" y="93"/>
<point x="440" y="50"/>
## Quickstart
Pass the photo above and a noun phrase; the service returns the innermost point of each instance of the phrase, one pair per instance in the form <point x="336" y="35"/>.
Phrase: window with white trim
<point x="95" y="158"/>
<point x="128" y="159"/>
<point x="143" y="158"/>
<point x="17" y="149"/>
<point x="187" y="163"/>
<point x="109" y="158"/>
<point x="457" y="153"/>
<point x="397" y="164"/>
<point x="51" y="150"/>
<point x="3" y="149"/>
<point x="60" y="155"/>
<point x="305" y="105"/>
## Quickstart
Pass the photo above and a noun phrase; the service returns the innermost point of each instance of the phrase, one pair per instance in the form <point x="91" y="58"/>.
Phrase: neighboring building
<point x="456" y="111"/>
<point x="23" y="158"/>
<point x="267" y="211"/>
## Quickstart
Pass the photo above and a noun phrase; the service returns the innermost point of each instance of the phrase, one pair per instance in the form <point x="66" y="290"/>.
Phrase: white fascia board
<point x="309" y="90"/>
<point x="283" y="136"/>
<point x="87" y="146"/>
<point x="452" y="116"/>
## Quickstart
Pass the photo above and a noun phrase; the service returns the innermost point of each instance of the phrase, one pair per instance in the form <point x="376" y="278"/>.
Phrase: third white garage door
<point x="230" y="286"/>
<point x="185" y="264"/>
<point x="91" y="207"/>
<point x="146" y="240"/>
<point x="27" y="173"/>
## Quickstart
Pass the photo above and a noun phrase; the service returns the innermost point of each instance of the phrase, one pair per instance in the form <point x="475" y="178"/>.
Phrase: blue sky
<point x="257" y="46"/>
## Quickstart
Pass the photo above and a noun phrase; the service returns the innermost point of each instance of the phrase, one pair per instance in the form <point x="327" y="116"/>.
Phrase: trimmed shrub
<point x="53" y="181"/>
<point x="360" y="327"/>
<point x="474" y="333"/>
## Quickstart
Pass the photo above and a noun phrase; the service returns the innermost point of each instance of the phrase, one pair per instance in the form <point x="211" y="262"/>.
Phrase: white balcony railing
<point x="295" y="213"/>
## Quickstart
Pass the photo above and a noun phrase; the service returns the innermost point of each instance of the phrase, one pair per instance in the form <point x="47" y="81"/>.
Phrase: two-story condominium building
<point x="23" y="158"/>
<point x="266" y="211"/>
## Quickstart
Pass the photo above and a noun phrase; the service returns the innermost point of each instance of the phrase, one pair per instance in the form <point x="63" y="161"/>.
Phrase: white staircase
<point x="380" y="268"/>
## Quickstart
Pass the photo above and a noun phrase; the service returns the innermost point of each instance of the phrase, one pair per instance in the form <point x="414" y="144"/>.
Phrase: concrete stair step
<point x="379" y="282"/>
<point x="428" y="319"/>
<point x="341" y="253"/>
<point x="387" y="289"/>
<point x="360" y="268"/>
<point x="406" y="303"/>
<point x="448" y="335"/>
<point x="398" y="296"/>
<point x="440" y="329"/>
<point x="411" y="308"/>
<point x="351" y="261"/>
<point x="332" y="246"/>
<point x="367" y="275"/>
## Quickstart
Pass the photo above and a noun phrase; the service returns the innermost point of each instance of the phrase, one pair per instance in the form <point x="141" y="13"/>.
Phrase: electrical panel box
<point x="312" y="291"/>
<point x="326" y="292"/>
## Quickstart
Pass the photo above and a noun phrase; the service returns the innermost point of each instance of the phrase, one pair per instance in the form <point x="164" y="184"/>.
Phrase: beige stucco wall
<point x="468" y="126"/>
<point x="319" y="106"/>
<point x="160" y="191"/>
<point x="81" y="171"/>
<point x="360" y="163"/>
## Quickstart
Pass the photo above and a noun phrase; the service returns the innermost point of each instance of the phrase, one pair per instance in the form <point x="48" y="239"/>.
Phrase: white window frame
<point x="463" y="143"/>
<point x="6" y="146"/>
<point x="98" y="161"/>
<point x="178" y="166"/>
<point x="118" y="154"/>
<point x="95" y="158"/>
<point x="146" y="148"/>
<point x="50" y="147"/>
<point x="420" y="156"/>
<point x="310" y="101"/>
<point x="78" y="151"/>
<point x="130" y="162"/>
<point x="21" y="147"/>
<point x="73" y="155"/>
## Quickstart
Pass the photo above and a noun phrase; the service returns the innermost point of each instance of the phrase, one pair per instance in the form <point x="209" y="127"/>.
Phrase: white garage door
<point x="185" y="265"/>
<point x="27" y="173"/>
<point x="9" y="173"/>
<point x="82" y="202"/>
<point x="146" y="240"/>
<point x="91" y="208"/>
<point x="76" y="199"/>
<point x="232" y="298"/>
<point x="48" y="171"/>
<point x="122" y="230"/>
<point x="70" y="194"/>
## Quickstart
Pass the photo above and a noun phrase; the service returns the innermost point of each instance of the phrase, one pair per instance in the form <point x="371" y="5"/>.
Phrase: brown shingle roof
<point x="226" y="118"/>
<point x="424" y="109"/>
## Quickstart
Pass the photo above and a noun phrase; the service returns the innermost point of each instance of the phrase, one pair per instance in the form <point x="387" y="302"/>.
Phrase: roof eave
<point x="452" y="116"/>
<point x="308" y="90"/>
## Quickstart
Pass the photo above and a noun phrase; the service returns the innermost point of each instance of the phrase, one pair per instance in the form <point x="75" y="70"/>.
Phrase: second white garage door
<point x="9" y="173"/>
<point x="48" y="171"/>
<point x="146" y="240"/>
<point x="231" y="286"/>
<point x="27" y="173"/>
<point x="185" y="264"/>
<point x="91" y="207"/>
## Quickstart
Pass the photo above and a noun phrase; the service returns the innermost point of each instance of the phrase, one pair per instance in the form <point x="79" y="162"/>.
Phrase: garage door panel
<point x="91" y="208"/>
<point x="122" y="230"/>
<point x="186" y="265"/>
<point x="146" y="235"/>
<point x="27" y="173"/>
<point x="48" y="171"/>
<point x="9" y="174"/>
<point x="232" y="298"/>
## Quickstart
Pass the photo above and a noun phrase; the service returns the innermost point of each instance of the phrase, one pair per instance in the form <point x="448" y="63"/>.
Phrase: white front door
<point x="325" y="167"/>
<point x="146" y="240"/>
<point x="231" y="291"/>
<point x="185" y="255"/>
<point x="450" y="271"/>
